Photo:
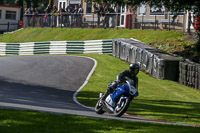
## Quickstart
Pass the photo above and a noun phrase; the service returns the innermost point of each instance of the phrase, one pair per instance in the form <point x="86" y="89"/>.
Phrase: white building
<point x="11" y="15"/>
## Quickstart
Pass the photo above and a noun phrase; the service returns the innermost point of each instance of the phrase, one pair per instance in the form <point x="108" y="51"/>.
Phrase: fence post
<point x="93" y="21"/>
<point x="142" y="21"/>
<point x="130" y="17"/>
<point x="52" y="21"/>
<point x="169" y="23"/>
<point x="155" y="26"/>
<point x="8" y="27"/>
<point x="42" y="21"/>
<point x="189" y="23"/>
<point x="116" y="20"/>
<point x="183" y="30"/>
<point x="61" y="21"/>
<point x="105" y="25"/>
<point x="71" y="21"/>
<point x="32" y="22"/>
<point x="25" y="20"/>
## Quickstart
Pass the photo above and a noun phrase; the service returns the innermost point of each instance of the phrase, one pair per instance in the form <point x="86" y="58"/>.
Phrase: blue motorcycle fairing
<point x="136" y="94"/>
<point x="111" y="99"/>
<point x="120" y="90"/>
<point x="124" y="89"/>
<point x="123" y="98"/>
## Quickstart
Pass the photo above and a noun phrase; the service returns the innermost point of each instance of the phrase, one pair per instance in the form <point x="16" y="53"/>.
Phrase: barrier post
<point x="61" y="21"/>
<point x="169" y="23"/>
<point x="189" y="23"/>
<point x="32" y="21"/>
<point x="116" y="14"/>
<point x="142" y="21"/>
<point x="52" y="21"/>
<point x="155" y="25"/>
<point x="42" y="21"/>
<point x="93" y="21"/>
<point x="8" y="27"/>
<point x="71" y="17"/>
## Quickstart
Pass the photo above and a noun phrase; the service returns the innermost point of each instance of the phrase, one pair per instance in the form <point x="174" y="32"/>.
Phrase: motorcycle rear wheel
<point x="99" y="107"/>
<point x="121" y="107"/>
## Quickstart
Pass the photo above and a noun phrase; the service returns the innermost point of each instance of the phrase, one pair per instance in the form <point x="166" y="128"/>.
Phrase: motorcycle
<point x="119" y="100"/>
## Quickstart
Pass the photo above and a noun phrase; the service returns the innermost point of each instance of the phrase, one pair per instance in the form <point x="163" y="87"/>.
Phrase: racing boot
<point x="105" y="95"/>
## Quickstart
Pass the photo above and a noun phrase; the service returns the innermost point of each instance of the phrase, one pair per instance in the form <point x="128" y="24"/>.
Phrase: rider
<point x="131" y="74"/>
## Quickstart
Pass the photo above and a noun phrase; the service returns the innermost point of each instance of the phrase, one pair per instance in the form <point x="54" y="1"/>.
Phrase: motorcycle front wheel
<point x="122" y="106"/>
<point x="99" y="107"/>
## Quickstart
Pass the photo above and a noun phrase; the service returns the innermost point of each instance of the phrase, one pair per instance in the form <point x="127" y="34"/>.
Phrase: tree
<point x="7" y="2"/>
<point x="175" y="5"/>
<point x="28" y="2"/>
<point x="20" y="3"/>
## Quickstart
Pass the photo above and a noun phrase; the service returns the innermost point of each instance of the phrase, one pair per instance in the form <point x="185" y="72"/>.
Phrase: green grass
<point x="158" y="99"/>
<point x="170" y="41"/>
<point x="50" y="34"/>
<point x="13" y="121"/>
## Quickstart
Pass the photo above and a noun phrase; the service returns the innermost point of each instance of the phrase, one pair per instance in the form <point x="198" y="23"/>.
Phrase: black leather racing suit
<point x="121" y="79"/>
<point x="127" y="73"/>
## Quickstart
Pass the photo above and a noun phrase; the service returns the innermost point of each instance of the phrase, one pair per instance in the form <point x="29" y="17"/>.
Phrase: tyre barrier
<point x="57" y="47"/>
<point x="189" y="74"/>
<point x="158" y="63"/>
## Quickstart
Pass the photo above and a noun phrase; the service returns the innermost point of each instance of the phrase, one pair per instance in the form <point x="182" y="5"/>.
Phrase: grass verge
<point x="13" y="121"/>
<point x="170" y="41"/>
<point x="166" y="40"/>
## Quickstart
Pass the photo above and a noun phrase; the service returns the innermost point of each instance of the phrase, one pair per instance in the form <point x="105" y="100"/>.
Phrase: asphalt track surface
<point x="49" y="84"/>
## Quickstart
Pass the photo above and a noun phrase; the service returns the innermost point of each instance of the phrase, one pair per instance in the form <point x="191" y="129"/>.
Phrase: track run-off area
<point x="50" y="83"/>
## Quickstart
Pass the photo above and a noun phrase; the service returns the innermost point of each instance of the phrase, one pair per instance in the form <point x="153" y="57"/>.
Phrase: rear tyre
<point x="99" y="107"/>
<point x="122" y="106"/>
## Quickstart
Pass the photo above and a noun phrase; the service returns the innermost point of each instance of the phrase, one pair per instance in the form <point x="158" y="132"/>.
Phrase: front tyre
<point x="99" y="107"/>
<point x="122" y="106"/>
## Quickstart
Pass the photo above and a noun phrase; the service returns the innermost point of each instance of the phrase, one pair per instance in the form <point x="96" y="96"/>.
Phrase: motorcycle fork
<point x="120" y="101"/>
<point x="100" y="95"/>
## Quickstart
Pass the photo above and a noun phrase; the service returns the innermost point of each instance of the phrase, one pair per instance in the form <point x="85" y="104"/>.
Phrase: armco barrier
<point x="156" y="62"/>
<point x="57" y="47"/>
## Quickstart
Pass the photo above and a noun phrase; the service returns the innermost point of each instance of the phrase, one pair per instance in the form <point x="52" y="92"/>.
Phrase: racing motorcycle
<point x="119" y="100"/>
